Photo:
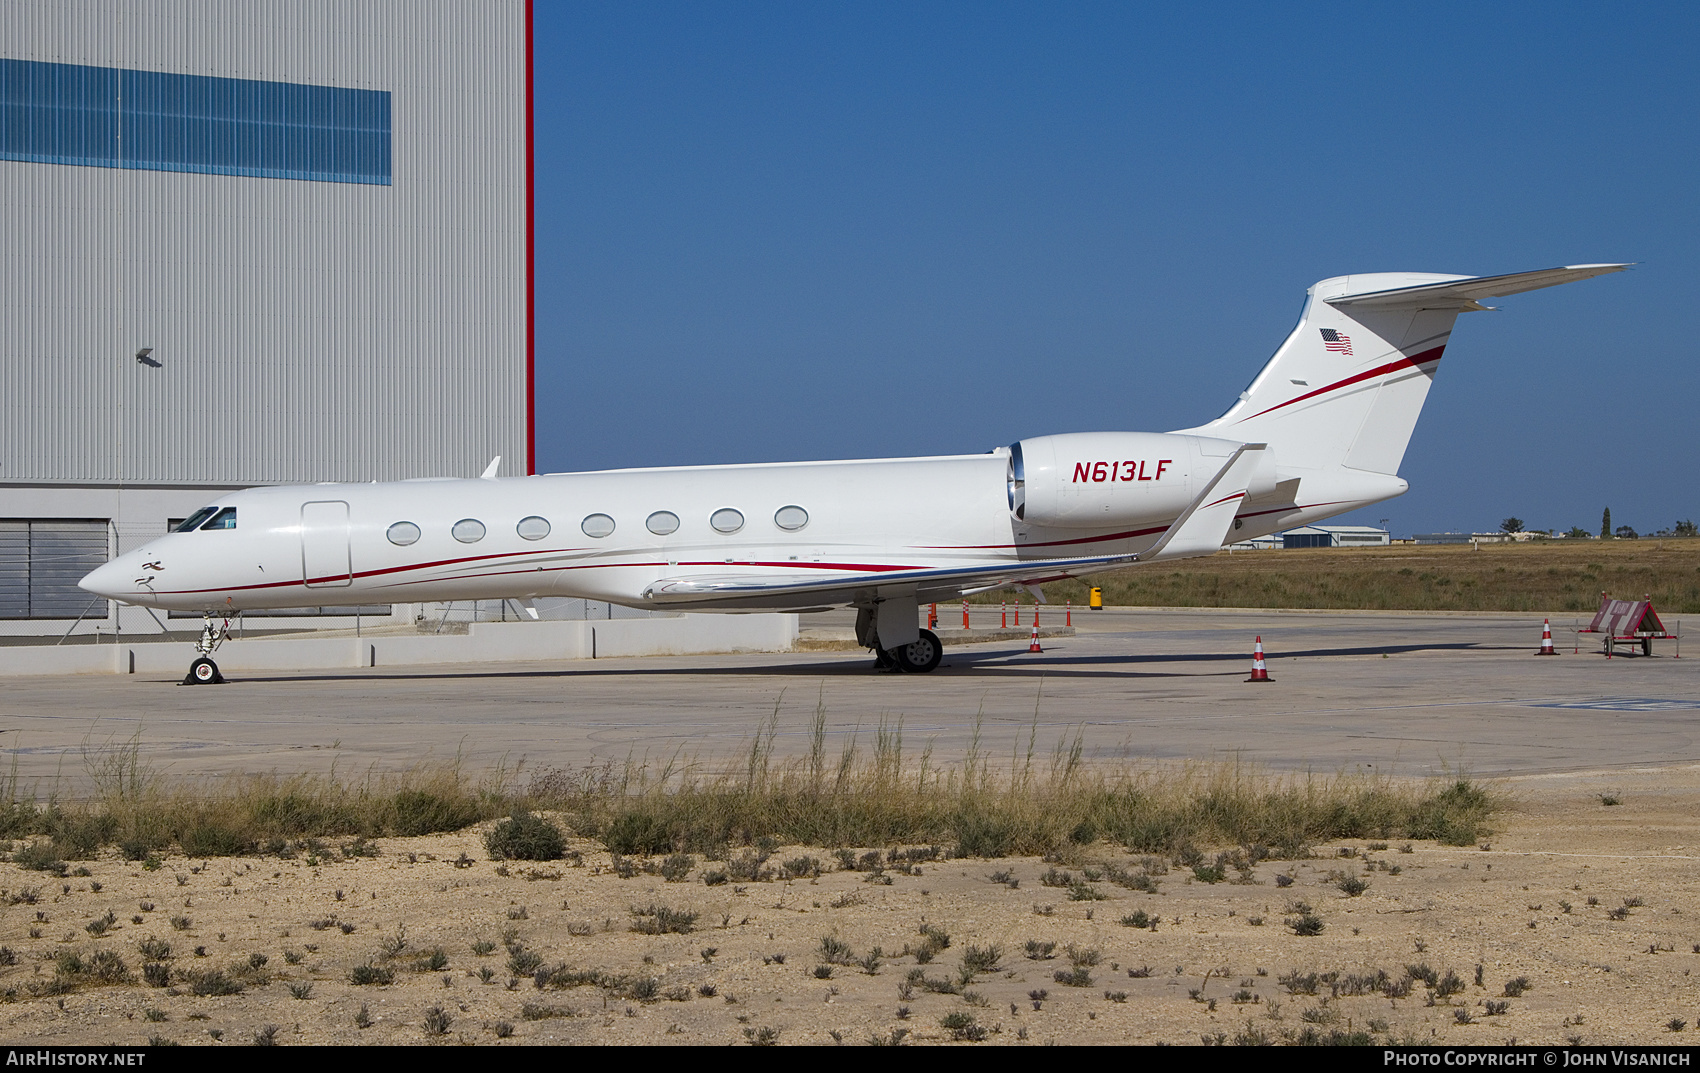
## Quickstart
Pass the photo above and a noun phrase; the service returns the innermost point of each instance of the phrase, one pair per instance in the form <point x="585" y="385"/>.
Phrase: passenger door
<point x="325" y="560"/>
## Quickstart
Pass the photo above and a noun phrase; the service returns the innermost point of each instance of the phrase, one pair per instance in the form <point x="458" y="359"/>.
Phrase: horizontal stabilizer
<point x="1204" y="527"/>
<point x="1463" y="294"/>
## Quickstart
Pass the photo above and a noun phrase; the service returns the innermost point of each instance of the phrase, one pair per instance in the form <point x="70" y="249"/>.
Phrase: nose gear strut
<point x="204" y="671"/>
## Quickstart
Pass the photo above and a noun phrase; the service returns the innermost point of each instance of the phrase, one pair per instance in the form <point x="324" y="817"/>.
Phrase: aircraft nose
<point x="109" y="581"/>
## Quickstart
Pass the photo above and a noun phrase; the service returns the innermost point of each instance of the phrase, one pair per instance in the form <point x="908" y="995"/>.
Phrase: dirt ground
<point x="1535" y="901"/>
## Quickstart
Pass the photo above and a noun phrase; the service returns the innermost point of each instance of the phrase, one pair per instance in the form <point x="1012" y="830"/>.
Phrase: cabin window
<point x="468" y="530"/>
<point x="726" y="520"/>
<point x="533" y="528"/>
<point x="194" y="520"/>
<point x="224" y="519"/>
<point x="662" y="522"/>
<point x="791" y="518"/>
<point x="597" y="525"/>
<point x="403" y="533"/>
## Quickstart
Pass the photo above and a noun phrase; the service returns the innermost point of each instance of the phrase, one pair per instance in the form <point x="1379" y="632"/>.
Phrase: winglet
<point x="489" y="473"/>
<point x="1204" y="526"/>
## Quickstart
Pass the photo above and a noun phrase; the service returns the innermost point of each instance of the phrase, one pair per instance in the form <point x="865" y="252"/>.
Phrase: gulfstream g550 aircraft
<point x="1320" y="431"/>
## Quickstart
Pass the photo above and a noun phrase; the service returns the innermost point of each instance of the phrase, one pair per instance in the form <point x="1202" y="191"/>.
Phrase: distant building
<point x="1320" y="536"/>
<point x="1334" y="536"/>
<point x="1477" y="538"/>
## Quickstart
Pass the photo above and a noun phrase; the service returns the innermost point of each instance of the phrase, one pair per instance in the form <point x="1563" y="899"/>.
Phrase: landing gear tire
<point x="884" y="661"/>
<point x="919" y="657"/>
<point x="203" y="672"/>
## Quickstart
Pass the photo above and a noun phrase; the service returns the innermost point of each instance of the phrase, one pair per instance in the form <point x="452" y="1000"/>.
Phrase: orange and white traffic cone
<point x="1546" y="639"/>
<point x="932" y="616"/>
<point x="1033" y="645"/>
<point x="1259" y="673"/>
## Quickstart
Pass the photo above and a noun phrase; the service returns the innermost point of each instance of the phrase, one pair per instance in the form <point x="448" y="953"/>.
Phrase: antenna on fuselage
<point x="489" y="473"/>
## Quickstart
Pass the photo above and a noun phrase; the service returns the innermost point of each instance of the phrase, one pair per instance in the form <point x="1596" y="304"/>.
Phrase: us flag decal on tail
<point x="1333" y="340"/>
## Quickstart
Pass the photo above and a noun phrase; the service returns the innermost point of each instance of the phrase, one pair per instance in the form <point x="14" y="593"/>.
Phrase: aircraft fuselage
<point x="859" y="524"/>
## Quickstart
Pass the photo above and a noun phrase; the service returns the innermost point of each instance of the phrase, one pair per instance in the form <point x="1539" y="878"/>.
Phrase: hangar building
<point x="250" y="242"/>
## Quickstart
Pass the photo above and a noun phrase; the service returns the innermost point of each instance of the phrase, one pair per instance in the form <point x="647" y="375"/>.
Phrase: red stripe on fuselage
<point x="1424" y="358"/>
<point x="1287" y="510"/>
<point x="364" y="574"/>
<point x="865" y="568"/>
<point x="1045" y="543"/>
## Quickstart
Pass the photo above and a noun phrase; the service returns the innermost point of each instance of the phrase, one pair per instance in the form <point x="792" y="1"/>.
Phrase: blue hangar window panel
<point x="107" y="117"/>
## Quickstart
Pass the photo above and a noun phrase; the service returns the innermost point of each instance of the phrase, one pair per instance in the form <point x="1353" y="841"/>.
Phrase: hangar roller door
<point x="41" y="561"/>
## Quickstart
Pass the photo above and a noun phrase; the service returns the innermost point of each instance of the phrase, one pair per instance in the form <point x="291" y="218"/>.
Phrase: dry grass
<point x="1032" y="805"/>
<point x="140" y="811"/>
<point x="1555" y="576"/>
<point x="856" y="796"/>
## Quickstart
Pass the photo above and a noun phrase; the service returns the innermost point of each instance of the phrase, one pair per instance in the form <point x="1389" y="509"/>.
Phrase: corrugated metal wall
<point x="305" y="330"/>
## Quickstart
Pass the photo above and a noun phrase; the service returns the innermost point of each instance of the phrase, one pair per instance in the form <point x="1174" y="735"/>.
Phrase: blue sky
<point x="790" y="231"/>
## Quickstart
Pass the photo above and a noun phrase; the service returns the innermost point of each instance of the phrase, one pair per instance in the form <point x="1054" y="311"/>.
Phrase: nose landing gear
<point x="204" y="672"/>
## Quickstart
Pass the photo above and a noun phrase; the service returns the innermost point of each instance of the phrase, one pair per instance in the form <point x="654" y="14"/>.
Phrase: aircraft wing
<point x="1205" y="526"/>
<point x="1462" y="294"/>
<point x="712" y="588"/>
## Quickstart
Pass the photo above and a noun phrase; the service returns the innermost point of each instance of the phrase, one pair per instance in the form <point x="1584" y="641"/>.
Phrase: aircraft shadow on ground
<point x="992" y="663"/>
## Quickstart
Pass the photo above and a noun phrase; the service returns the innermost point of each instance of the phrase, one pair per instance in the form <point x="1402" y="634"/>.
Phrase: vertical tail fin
<point x="1346" y="387"/>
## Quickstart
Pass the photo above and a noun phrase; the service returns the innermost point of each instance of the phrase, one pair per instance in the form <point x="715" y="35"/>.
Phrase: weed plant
<point x="524" y="837"/>
<point x="963" y="1026"/>
<point x="660" y="920"/>
<point x="979" y="959"/>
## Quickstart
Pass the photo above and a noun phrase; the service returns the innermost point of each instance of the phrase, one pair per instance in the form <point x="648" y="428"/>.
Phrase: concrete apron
<point x="493" y="642"/>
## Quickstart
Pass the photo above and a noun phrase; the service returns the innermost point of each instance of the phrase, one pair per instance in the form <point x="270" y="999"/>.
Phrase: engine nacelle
<point x="1090" y="480"/>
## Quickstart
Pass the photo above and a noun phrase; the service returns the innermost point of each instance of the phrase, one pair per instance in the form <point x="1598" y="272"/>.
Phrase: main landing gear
<point x="916" y="657"/>
<point x="204" y="672"/>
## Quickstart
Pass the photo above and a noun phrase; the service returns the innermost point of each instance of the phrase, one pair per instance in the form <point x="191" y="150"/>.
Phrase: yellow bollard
<point x="1097" y="601"/>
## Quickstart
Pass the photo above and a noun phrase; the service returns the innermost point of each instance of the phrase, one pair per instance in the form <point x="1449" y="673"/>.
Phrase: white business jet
<point x="1320" y="431"/>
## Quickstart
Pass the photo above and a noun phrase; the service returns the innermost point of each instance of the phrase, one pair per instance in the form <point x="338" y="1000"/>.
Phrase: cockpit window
<point x="194" y="520"/>
<point x="224" y="519"/>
